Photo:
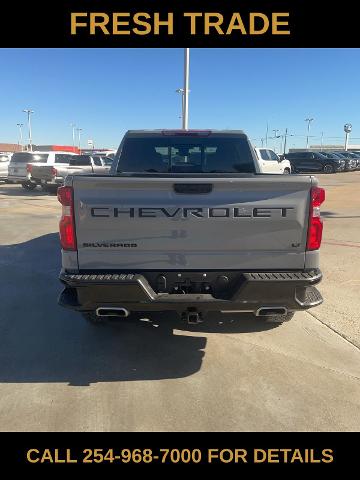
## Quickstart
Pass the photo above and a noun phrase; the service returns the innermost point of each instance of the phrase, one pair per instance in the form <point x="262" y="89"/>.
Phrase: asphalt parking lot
<point x="229" y="374"/>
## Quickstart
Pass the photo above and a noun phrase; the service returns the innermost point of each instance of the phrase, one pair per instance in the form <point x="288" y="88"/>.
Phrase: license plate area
<point x="219" y="284"/>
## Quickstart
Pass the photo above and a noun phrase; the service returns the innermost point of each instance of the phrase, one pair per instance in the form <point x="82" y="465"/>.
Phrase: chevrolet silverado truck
<point x="186" y="222"/>
<point x="52" y="176"/>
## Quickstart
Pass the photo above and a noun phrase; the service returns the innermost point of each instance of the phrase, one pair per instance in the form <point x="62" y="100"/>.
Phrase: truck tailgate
<point x="136" y="223"/>
<point x="44" y="172"/>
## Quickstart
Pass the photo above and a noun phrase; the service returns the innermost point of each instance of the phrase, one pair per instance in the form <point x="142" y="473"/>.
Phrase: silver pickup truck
<point x="52" y="176"/>
<point x="185" y="222"/>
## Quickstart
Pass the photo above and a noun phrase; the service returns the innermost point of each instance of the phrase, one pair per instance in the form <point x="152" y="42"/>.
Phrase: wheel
<point x="28" y="185"/>
<point x="279" y="318"/>
<point x="94" y="319"/>
<point x="328" y="168"/>
<point x="286" y="171"/>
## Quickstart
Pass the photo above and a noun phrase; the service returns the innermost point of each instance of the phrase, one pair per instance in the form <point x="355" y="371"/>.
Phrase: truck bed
<point x="46" y="172"/>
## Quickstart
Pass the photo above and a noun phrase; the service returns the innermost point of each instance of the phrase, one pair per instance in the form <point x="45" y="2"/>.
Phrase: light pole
<point x="285" y="139"/>
<point x="29" y="112"/>
<point x="181" y="91"/>
<point x="347" y="130"/>
<point x="322" y="141"/>
<point x="185" y="119"/>
<point x="79" y="130"/>
<point x="275" y="130"/>
<point x="20" y="125"/>
<point x="72" y="125"/>
<point x="267" y="134"/>
<point x="309" y="120"/>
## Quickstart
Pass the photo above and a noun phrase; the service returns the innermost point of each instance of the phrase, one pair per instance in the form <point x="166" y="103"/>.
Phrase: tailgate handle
<point x="193" y="188"/>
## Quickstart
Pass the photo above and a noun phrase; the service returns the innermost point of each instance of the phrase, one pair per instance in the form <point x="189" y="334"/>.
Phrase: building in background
<point x="10" y="147"/>
<point x="59" y="148"/>
<point x="14" y="147"/>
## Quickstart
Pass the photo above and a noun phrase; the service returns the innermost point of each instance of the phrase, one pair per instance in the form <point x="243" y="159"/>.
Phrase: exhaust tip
<point x="112" y="312"/>
<point x="270" y="311"/>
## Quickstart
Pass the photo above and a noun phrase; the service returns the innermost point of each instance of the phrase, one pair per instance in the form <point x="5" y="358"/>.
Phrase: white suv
<point x="270" y="162"/>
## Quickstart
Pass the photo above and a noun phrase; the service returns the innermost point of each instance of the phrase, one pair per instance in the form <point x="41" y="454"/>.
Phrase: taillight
<point x="317" y="197"/>
<point x="67" y="221"/>
<point x="29" y="167"/>
<point x="53" y="171"/>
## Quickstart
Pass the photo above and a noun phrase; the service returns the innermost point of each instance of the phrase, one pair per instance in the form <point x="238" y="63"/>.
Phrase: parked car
<point x="51" y="177"/>
<point x="184" y="224"/>
<point x="108" y="160"/>
<point x="314" y="162"/>
<point x="22" y="163"/>
<point x="335" y="156"/>
<point x="357" y="153"/>
<point x="110" y="154"/>
<point x="351" y="160"/>
<point x="270" y="162"/>
<point x="4" y="165"/>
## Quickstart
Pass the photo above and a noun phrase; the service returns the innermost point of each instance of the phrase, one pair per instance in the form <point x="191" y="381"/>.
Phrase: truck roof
<point x="180" y="132"/>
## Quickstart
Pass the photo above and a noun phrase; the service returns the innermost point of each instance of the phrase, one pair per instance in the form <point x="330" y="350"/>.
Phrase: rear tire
<point x="28" y="186"/>
<point x="279" y="318"/>
<point x="328" y="168"/>
<point x="286" y="171"/>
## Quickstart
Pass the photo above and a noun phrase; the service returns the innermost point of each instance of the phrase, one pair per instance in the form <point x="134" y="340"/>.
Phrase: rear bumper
<point x="254" y="290"/>
<point x="20" y="179"/>
<point x="53" y="181"/>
